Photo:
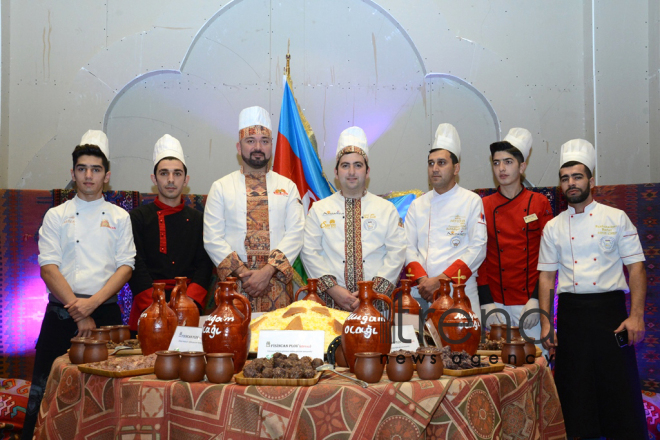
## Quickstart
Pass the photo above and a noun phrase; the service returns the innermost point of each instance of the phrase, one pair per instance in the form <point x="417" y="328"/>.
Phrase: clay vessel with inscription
<point x="166" y="366"/>
<point x="77" y="351"/>
<point x="369" y="366"/>
<point x="187" y="313"/>
<point x="464" y="333"/>
<point x="312" y="289"/>
<point x="227" y="330"/>
<point x="366" y="330"/>
<point x="219" y="367"/>
<point x="157" y="323"/>
<point x="407" y="302"/>
<point x="192" y="366"/>
<point x="441" y="302"/>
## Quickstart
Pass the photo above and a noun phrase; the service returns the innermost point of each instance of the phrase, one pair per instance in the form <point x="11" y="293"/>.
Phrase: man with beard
<point x="253" y="220"/>
<point x="446" y="227"/>
<point x="508" y="279"/>
<point x="168" y="235"/>
<point x="353" y="235"/>
<point x="596" y="373"/>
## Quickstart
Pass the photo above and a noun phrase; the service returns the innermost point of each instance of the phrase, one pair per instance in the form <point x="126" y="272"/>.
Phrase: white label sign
<point x="187" y="339"/>
<point x="302" y="342"/>
<point x="408" y="332"/>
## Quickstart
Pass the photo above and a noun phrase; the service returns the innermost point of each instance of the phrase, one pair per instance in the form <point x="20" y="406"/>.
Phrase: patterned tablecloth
<point x="519" y="403"/>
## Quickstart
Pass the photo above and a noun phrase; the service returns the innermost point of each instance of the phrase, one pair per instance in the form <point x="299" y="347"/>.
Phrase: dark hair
<point x="185" y="168"/>
<point x="366" y="162"/>
<point x="90" y="150"/>
<point x="507" y="148"/>
<point x="452" y="156"/>
<point x="572" y="163"/>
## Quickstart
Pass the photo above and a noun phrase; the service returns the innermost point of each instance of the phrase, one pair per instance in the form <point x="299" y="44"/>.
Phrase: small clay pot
<point x="113" y="332"/>
<point x="192" y="366"/>
<point x="399" y="367"/>
<point x="369" y="366"/>
<point x="95" y="351"/>
<point x="124" y="333"/>
<point x="430" y="367"/>
<point x="530" y="352"/>
<point x="77" y="351"/>
<point x="167" y="365"/>
<point x="101" y="334"/>
<point x="219" y="367"/>
<point x="515" y="334"/>
<point x="496" y="332"/>
<point x="340" y="359"/>
<point x="513" y="353"/>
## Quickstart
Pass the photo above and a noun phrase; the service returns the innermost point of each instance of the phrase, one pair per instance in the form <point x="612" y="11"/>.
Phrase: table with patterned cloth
<point x="519" y="403"/>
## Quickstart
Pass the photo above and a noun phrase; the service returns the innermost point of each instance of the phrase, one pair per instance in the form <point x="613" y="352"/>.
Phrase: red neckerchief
<point x="164" y="211"/>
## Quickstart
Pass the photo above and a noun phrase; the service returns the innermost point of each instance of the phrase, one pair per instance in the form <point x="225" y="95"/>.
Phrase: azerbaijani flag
<point x="295" y="155"/>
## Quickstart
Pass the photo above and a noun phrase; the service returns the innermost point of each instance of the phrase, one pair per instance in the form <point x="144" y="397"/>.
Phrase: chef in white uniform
<point x="254" y="219"/>
<point x="353" y="235"/>
<point x="445" y="228"/>
<point x="597" y="379"/>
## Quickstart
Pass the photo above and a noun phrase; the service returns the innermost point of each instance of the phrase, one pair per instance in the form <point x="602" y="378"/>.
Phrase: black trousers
<point x="597" y="381"/>
<point x="57" y="329"/>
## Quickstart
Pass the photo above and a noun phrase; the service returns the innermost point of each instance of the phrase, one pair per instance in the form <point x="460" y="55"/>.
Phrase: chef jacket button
<point x="76" y="213"/>
<point x="502" y="270"/>
<point x="344" y="261"/>
<point x="592" y="236"/>
<point x="571" y="216"/>
<point x="576" y="262"/>
<point x="504" y="289"/>
<point x="590" y="214"/>
<point x="525" y="270"/>
<point x="594" y="259"/>
<point x="498" y="231"/>
<point x="594" y="284"/>
<point x="172" y="262"/>
<point x="524" y="249"/>
<point x="576" y="284"/>
<point x="77" y="241"/>
<point x="103" y="213"/>
<point x="572" y="238"/>
<point x="495" y="212"/>
<point x="524" y="210"/>
<point x="523" y="289"/>
<point x="501" y="250"/>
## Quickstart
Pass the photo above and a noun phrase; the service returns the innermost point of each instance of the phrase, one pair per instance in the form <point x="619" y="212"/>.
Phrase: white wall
<point x="396" y="68"/>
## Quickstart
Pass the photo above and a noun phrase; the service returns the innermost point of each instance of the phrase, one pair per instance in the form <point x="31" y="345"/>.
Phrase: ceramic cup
<point x="95" y="351"/>
<point x="513" y="353"/>
<point x="167" y="365"/>
<point x="399" y="367"/>
<point x="192" y="366"/>
<point x="429" y="367"/>
<point x="101" y="334"/>
<point x="77" y="351"/>
<point x="369" y="366"/>
<point x="219" y="367"/>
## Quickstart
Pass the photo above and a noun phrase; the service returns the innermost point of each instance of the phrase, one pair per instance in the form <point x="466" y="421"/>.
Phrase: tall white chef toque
<point x="353" y="140"/>
<point x="252" y="121"/>
<point x="578" y="150"/>
<point x="446" y="137"/>
<point x="168" y="146"/>
<point x="98" y="138"/>
<point x="521" y="139"/>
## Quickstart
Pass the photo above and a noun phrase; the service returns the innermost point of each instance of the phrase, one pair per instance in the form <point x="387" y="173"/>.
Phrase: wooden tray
<point x="132" y="352"/>
<point x="499" y="352"/>
<point x="474" y="371"/>
<point x="242" y="380"/>
<point x="97" y="371"/>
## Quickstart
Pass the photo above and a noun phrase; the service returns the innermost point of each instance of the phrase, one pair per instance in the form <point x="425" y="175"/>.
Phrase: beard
<point x="579" y="197"/>
<point x="256" y="163"/>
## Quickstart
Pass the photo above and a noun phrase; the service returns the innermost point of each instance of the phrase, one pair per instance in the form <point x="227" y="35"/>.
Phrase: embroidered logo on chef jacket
<point x="106" y="224"/>
<point x="332" y="213"/>
<point x="456" y="225"/>
<point x="369" y="216"/>
<point x="71" y="220"/>
<point x="607" y="243"/>
<point x="330" y="224"/>
<point x="280" y="192"/>
<point x="455" y="242"/>
<point x="370" y="225"/>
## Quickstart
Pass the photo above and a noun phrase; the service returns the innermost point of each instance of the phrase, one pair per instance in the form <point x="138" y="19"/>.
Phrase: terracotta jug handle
<point x="174" y="296"/>
<point x="216" y="297"/>
<point x="241" y="298"/>
<point x="436" y="294"/>
<point x="306" y="287"/>
<point x="397" y="290"/>
<point x="389" y="303"/>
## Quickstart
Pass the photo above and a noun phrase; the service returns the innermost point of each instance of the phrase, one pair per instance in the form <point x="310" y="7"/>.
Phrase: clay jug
<point x="227" y="330"/>
<point x="157" y="323"/>
<point x="187" y="313"/>
<point x="311" y="288"/>
<point x="407" y="301"/>
<point x="441" y="302"/>
<point x="240" y="305"/>
<point x="470" y="333"/>
<point x="366" y="330"/>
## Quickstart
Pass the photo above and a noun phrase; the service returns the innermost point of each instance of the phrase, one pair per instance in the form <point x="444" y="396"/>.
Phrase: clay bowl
<point x="101" y="334"/>
<point x="167" y="365"/>
<point x="77" y="351"/>
<point x="369" y="366"/>
<point x="430" y="366"/>
<point x="219" y="367"/>
<point x="399" y="366"/>
<point x="192" y="366"/>
<point x="95" y="351"/>
<point x="513" y="353"/>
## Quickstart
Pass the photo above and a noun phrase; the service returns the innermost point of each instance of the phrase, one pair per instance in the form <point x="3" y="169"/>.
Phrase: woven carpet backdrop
<point x="23" y="296"/>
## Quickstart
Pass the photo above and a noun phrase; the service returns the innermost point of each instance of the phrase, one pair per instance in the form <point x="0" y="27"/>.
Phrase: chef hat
<point x="254" y="120"/>
<point x="98" y="138"/>
<point x="168" y="146"/>
<point x="353" y="140"/>
<point x="578" y="150"/>
<point x="521" y="139"/>
<point x="446" y="137"/>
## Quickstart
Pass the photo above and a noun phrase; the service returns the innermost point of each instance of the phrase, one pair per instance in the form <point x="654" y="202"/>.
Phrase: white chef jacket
<point x="88" y="241"/>
<point x="225" y="221"/>
<point x="589" y="249"/>
<point x="383" y="239"/>
<point x="445" y="233"/>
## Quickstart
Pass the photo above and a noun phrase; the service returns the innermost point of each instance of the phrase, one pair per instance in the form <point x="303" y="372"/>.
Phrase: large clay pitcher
<point x="240" y="305"/>
<point x="227" y="330"/>
<point x="157" y="323"/>
<point x="441" y="302"/>
<point x="366" y="330"/>
<point x="407" y="301"/>
<point x="462" y="330"/>
<point x="311" y="288"/>
<point x="185" y="308"/>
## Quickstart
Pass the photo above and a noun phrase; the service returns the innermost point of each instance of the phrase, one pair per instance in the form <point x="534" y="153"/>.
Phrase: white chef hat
<point x="578" y="150"/>
<point x="98" y="138"/>
<point x="254" y="120"/>
<point x="446" y="137"/>
<point x="521" y="139"/>
<point x="168" y="146"/>
<point x="353" y="140"/>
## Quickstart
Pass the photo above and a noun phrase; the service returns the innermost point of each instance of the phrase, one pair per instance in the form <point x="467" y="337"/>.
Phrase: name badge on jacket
<point x="530" y="218"/>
